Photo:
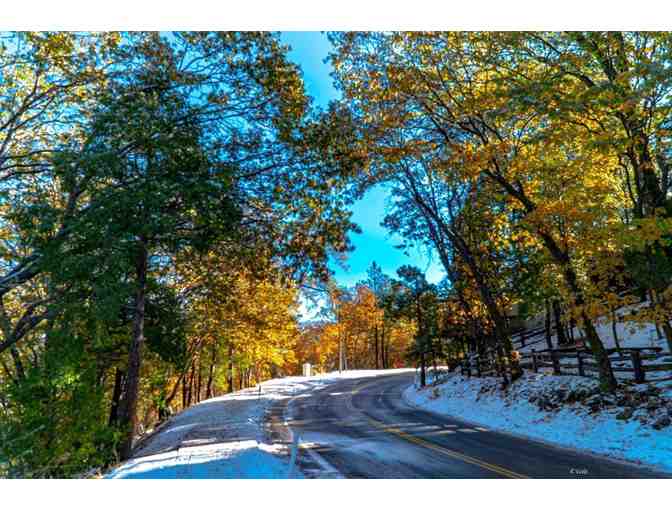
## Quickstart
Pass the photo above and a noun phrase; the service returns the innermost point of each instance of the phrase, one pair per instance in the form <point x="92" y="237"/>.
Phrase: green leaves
<point x="188" y="144"/>
<point x="166" y="324"/>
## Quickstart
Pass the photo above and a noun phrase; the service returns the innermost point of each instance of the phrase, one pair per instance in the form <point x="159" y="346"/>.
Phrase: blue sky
<point x="309" y="49"/>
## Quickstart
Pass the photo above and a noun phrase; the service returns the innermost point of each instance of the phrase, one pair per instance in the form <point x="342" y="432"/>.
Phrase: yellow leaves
<point x="644" y="232"/>
<point x="358" y="321"/>
<point x="542" y="137"/>
<point x="51" y="45"/>
<point x="255" y="316"/>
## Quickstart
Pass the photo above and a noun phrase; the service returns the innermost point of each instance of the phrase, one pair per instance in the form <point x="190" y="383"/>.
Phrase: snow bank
<point x="572" y="424"/>
<point x="235" y="459"/>
<point x="224" y="437"/>
<point x="221" y="437"/>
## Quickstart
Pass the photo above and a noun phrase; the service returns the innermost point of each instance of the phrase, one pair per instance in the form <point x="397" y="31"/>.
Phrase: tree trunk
<point x="345" y="355"/>
<point x="116" y="396"/>
<point x="128" y="407"/>
<point x="561" y="338"/>
<point x="441" y="231"/>
<point x="18" y="364"/>
<point x="421" y="342"/>
<point x="562" y="258"/>
<point x="498" y="318"/>
<point x="211" y="373"/>
<point x="668" y="335"/>
<point x="199" y="381"/>
<point x="375" y="340"/>
<point x="382" y="347"/>
<point x="502" y="339"/>
<point x="229" y="378"/>
<point x="667" y="329"/>
<point x="423" y="376"/>
<point x="652" y="302"/>
<point x="659" y="333"/>
<point x="547" y="326"/>
<point x="501" y="363"/>
<point x="190" y="386"/>
<point x="572" y="325"/>
<point x="607" y="379"/>
<point x="173" y="393"/>
<point x="184" y="389"/>
<point x="614" y="331"/>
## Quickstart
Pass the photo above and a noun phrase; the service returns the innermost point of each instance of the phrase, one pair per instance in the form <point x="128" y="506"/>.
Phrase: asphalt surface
<point x="363" y="428"/>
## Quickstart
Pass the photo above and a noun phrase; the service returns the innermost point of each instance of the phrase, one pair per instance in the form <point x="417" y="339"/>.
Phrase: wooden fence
<point x="528" y="337"/>
<point x="636" y="364"/>
<point x="485" y="364"/>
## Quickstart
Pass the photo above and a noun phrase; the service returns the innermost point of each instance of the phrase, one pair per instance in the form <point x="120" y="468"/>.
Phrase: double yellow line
<point x="432" y="446"/>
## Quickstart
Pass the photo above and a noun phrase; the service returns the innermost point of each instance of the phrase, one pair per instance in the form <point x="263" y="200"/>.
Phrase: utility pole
<point x="340" y="354"/>
<point x="340" y="339"/>
<point x="342" y="358"/>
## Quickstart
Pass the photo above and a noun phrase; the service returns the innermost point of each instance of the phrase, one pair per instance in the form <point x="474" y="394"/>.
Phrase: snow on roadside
<point x="224" y="437"/>
<point x="235" y="459"/>
<point x="572" y="424"/>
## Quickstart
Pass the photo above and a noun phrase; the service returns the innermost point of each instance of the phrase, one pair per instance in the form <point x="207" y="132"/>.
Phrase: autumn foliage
<point x="167" y="199"/>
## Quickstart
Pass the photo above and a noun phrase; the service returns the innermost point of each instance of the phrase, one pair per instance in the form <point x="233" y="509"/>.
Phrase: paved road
<point x="363" y="428"/>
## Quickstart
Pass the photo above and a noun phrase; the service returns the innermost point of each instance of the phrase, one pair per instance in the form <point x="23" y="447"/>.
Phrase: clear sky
<point x="309" y="49"/>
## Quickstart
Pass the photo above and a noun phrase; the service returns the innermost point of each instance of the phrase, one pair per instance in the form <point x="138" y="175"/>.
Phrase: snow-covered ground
<point x="630" y="333"/>
<point x="224" y="437"/>
<point x="564" y="410"/>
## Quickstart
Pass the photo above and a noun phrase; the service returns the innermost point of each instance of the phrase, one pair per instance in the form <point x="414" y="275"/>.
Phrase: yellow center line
<point x="432" y="446"/>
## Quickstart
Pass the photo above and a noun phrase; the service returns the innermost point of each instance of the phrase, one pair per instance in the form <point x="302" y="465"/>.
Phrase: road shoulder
<point x="506" y="419"/>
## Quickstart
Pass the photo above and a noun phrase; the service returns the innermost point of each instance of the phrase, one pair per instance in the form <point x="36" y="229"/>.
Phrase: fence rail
<point x="525" y="338"/>
<point x="638" y="364"/>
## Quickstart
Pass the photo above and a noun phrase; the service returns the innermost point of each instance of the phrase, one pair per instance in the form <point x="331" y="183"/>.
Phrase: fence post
<point x="292" y="460"/>
<point x="466" y="367"/>
<point x="556" y="363"/>
<point x="535" y="368"/>
<point x="640" y="376"/>
<point x="579" y="359"/>
<point x="478" y="367"/>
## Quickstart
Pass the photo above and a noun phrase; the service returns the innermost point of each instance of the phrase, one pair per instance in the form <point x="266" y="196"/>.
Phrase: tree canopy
<point x="167" y="198"/>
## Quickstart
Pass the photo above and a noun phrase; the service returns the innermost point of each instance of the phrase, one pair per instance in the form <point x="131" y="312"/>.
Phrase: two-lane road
<point x="364" y="429"/>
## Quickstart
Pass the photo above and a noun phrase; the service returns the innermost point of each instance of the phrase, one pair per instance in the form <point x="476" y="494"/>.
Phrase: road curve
<point x="363" y="428"/>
